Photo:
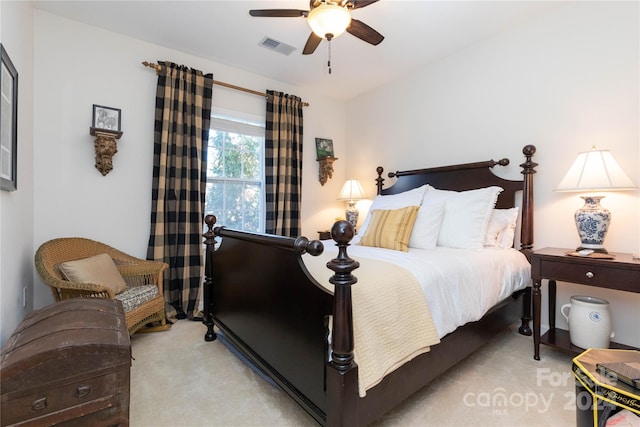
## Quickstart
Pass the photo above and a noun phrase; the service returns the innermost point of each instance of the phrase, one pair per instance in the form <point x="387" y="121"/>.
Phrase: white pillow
<point x="394" y="201"/>
<point x="427" y="226"/>
<point x="466" y="215"/>
<point x="502" y="228"/>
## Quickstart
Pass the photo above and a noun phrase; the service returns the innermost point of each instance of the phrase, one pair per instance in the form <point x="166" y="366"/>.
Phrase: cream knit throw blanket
<point x="391" y="319"/>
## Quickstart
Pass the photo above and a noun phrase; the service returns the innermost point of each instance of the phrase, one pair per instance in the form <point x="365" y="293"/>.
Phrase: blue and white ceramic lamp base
<point x="592" y="222"/>
<point x="351" y="215"/>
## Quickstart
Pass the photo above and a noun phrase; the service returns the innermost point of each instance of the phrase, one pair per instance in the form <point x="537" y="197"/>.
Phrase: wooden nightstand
<point x="621" y="273"/>
<point x="324" y="235"/>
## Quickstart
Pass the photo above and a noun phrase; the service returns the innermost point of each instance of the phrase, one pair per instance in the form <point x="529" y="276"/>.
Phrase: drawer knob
<point x="83" y="391"/>
<point x="590" y="275"/>
<point x="39" y="404"/>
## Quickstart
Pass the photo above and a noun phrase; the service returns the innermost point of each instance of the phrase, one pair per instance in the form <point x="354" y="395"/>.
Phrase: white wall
<point x="563" y="82"/>
<point x="79" y="65"/>
<point x="16" y="207"/>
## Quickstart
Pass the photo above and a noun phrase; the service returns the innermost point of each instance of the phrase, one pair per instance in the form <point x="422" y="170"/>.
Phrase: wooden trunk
<point x="68" y="364"/>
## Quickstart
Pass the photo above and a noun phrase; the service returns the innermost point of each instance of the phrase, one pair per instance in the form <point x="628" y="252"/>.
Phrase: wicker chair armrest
<point x="81" y="293"/>
<point x="143" y="273"/>
<point x="84" y="288"/>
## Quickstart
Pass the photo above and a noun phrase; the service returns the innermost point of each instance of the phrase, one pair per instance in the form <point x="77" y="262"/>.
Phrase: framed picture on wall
<point x="106" y="118"/>
<point x="324" y="148"/>
<point x="8" y="123"/>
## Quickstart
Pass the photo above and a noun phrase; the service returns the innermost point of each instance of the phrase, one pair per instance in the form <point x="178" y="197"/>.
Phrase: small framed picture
<point x="324" y="148"/>
<point x="8" y="123"/>
<point x="106" y="118"/>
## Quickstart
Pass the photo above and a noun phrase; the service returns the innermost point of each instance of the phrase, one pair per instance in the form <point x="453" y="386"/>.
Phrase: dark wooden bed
<point x="259" y="295"/>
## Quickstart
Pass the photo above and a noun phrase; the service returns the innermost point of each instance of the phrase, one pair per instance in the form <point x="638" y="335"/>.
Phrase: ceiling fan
<point x="328" y="19"/>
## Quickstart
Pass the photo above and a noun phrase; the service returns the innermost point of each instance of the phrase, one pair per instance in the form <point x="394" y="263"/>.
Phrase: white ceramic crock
<point x="589" y="322"/>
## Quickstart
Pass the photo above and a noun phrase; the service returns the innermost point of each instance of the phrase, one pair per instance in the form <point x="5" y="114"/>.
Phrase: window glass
<point x="235" y="174"/>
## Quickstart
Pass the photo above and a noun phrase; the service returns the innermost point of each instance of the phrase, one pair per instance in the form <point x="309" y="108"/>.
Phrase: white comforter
<point x="459" y="285"/>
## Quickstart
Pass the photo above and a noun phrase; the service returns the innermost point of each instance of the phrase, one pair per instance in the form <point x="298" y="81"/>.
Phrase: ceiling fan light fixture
<point x="329" y="19"/>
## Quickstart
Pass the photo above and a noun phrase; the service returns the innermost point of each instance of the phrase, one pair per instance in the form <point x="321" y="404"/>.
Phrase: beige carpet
<point x="179" y="380"/>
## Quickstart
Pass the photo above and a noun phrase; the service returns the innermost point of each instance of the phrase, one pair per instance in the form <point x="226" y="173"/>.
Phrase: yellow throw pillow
<point x="390" y="229"/>
<point x="99" y="269"/>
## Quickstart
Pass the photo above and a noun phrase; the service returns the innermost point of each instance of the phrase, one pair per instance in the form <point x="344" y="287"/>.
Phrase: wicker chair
<point x="143" y="303"/>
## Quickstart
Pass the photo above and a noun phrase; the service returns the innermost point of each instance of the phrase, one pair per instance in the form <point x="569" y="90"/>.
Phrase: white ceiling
<point x="416" y="33"/>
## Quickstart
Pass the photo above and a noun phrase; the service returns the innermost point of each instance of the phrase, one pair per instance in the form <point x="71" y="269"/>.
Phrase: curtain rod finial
<point x="156" y="67"/>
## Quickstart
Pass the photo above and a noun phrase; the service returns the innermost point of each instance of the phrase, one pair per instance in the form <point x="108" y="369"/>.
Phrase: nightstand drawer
<point x="596" y="275"/>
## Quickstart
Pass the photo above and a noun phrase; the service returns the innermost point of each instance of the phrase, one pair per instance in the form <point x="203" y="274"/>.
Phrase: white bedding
<point x="459" y="285"/>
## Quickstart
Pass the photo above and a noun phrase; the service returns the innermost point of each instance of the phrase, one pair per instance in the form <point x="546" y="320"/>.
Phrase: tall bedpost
<point x="528" y="169"/>
<point x="342" y="372"/>
<point x="207" y="291"/>
<point x="526" y="231"/>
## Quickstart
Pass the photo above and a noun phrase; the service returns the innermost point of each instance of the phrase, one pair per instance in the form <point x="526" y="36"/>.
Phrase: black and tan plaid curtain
<point x="181" y="133"/>
<point x="283" y="164"/>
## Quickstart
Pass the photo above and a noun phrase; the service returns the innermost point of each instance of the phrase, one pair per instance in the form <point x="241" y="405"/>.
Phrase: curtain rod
<point x="158" y="68"/>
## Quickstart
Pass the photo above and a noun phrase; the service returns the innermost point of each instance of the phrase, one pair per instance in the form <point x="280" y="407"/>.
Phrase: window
<point x="235" y="174"/>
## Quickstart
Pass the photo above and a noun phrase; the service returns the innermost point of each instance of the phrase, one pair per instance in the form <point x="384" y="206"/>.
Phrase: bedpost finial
<point x="209" y="235"/>
<point x="529" y="150"/>
<point x="379" y="179"/>
<point x="313" y="247"/>
<point x="342" y="232"/>
<point x="210" y="220"/>
<point x="528" y="167"/>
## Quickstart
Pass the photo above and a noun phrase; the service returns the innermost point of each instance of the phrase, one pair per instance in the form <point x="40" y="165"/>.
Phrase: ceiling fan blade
<point x="359" y="4"/>
<point x="312" y="43"/>
<point x="279" y="13"/>
<point x="364" y="32"/>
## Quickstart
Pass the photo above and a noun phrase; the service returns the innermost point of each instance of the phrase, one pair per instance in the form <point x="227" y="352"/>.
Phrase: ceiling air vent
<point x="277" y="46"/>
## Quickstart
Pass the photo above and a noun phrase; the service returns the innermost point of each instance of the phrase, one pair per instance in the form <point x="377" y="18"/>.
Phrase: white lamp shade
<point x="595" y="170"/>
<point x="329" y="19"/>
<point x="351" y="190"/>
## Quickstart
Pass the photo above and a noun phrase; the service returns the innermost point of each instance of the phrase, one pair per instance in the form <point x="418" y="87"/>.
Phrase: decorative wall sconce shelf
<point x="326" y="168"/>
<point x="105" y="146"/>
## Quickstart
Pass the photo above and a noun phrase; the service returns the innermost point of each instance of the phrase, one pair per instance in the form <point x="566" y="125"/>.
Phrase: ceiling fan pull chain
<point x="329" y="60"/>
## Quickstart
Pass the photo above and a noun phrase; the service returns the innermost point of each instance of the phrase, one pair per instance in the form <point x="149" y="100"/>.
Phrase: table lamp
<point x="594" y="171"/>
<point x="352" y="191"/>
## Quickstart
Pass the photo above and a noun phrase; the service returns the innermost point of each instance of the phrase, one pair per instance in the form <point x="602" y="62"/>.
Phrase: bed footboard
<point x="260" y="297"/>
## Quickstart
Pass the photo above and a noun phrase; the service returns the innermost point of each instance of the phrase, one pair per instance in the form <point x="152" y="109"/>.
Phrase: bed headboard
<point x="469" y="176"/>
